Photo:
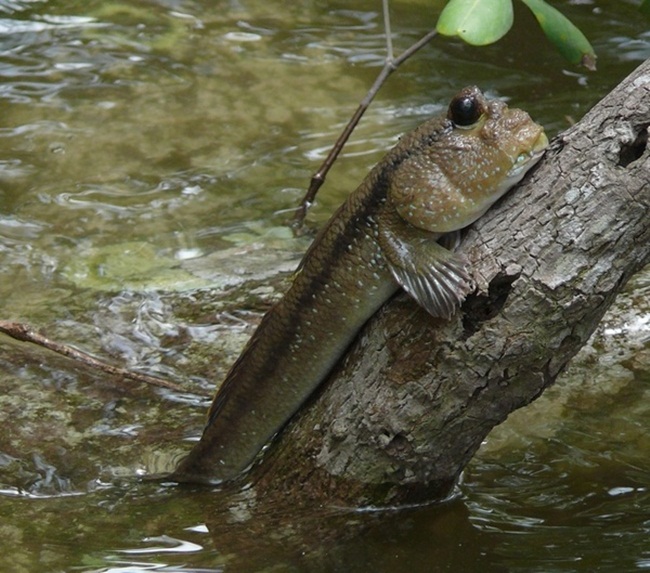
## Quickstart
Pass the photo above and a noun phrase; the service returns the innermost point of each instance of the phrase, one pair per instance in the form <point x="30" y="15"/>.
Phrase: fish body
<point x="387" y="235"/>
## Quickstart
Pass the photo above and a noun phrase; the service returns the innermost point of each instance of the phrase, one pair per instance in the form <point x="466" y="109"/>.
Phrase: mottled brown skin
<point x="436" y="180"/>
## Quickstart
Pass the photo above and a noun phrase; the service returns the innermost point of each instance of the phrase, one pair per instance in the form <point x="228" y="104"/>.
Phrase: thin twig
<point x="24" y="333"/>
<point x="390" y="65"/>
<point x="387" y="31"/>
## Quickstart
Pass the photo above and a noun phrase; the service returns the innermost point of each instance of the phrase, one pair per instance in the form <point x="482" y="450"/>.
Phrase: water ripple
<point x="171" y="545"/>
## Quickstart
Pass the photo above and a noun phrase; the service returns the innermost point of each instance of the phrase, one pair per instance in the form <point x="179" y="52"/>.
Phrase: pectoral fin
<point x="437" y="278"/>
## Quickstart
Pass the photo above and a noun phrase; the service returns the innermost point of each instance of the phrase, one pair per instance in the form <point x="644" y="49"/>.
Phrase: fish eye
<point x="465" y="110"/>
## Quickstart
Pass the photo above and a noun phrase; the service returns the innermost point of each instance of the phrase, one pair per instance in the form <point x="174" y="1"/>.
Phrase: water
<point x="150" y="155"/>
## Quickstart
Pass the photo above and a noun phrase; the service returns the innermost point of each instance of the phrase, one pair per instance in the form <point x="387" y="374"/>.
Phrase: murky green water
<point x="150" y="153"/>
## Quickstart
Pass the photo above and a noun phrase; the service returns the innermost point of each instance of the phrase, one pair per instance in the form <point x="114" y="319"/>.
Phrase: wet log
<point x="403" y="414"/>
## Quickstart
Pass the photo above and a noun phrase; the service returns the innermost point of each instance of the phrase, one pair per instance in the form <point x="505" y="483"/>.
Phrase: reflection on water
<point x="150" y="155"/>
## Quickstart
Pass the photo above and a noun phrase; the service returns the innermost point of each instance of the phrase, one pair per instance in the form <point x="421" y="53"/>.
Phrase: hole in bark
<point x="397" y="444"/>
<point x="483" y="307"/>
<point x="630" y="152"/>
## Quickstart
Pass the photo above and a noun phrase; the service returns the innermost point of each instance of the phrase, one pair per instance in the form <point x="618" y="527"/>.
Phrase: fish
<point x="397" y="230"/>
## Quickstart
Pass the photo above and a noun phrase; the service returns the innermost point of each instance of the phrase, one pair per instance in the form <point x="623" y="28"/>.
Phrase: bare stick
<point x="387" y="31"/>
<point x="25" y="333"/>
<point x="390" y="66"/>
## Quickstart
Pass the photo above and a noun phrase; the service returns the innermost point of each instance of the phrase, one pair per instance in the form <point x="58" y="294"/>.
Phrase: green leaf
<point x="477" y="22"/>
<point x="566" y="37"/>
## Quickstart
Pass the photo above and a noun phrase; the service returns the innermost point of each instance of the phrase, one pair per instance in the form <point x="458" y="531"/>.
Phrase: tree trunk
<point x="400" y="418"/>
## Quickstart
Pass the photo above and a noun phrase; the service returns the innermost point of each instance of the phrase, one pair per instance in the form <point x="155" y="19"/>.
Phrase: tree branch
<point x="398" y="421"/>
<point x="24" y="333"/>
<point x="390" y="65"/>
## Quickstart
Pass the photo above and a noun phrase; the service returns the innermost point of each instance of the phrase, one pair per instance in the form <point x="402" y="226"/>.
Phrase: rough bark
<point x="404" y="413"/>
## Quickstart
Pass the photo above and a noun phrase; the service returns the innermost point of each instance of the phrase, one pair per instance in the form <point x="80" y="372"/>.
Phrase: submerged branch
<point x="24" y="333"/>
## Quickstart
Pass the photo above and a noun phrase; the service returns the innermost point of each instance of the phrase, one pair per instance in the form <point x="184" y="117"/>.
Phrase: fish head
<point x="459" y="165"/>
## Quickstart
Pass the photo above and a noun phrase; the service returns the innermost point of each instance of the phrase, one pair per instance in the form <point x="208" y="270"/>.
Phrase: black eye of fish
<point x="465" y="110"/>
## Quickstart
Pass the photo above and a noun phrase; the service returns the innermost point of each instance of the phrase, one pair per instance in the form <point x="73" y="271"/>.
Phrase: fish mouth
<point x="526" y="160"/>
<point x="541" y="143"/>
